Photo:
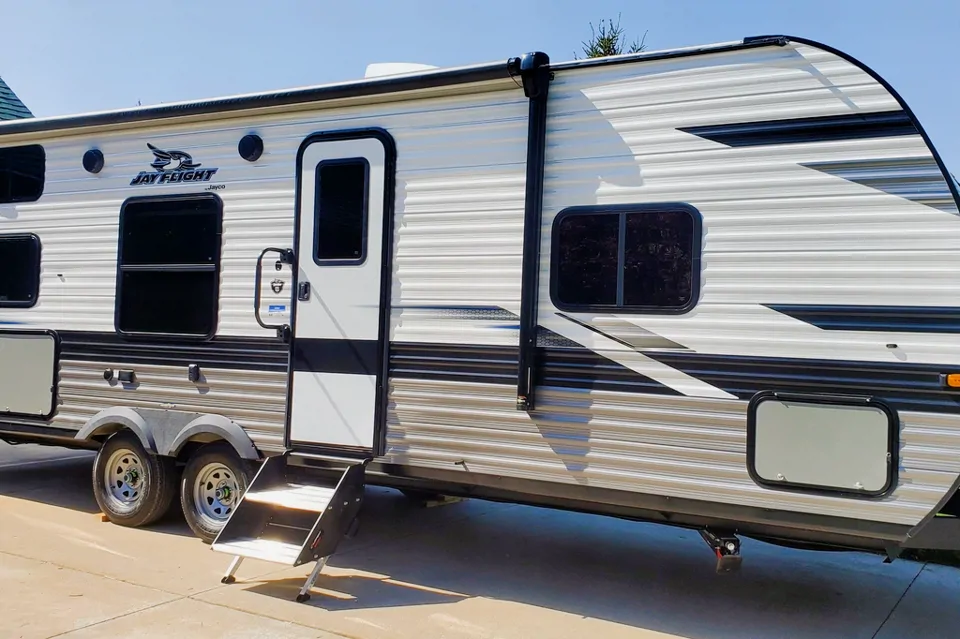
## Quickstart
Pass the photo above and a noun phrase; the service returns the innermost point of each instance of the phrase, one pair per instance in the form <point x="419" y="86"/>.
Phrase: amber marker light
<point x="952" y="380"/>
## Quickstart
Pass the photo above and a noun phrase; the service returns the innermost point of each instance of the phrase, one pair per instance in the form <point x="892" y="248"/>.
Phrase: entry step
<point x="265" y="549"/>
<point x="292" y="515"/>
<point x="294" y="496"/>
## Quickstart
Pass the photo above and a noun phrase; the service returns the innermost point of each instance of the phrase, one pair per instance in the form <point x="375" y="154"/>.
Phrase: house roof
<point x="11" y="108"/>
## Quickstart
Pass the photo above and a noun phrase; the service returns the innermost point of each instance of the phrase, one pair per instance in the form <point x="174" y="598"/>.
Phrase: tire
<point x="212" y="483"/>
<point x="132" y="487"/>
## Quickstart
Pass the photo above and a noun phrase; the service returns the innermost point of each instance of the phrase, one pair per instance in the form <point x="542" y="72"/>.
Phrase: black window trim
<point x="38" y="270"/>
<point x="622" y="210"/>
<point x="215" y="267"/>
<point x="43" y="176"/>
<point x="316" y="212"/>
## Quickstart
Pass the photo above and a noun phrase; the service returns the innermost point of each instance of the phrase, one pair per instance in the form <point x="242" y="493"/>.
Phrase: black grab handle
<point x="286" y="257"/>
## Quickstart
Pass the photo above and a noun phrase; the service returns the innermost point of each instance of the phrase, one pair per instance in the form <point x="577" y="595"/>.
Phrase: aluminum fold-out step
<point x="290" y="515"/>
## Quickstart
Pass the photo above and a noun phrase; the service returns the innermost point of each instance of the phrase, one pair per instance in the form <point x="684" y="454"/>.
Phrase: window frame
<point x="217" y="264"/>
<point x="43" y="176"/>
<point x="316" y="213"/>
<point x="38" y="270"/>
<point x="624" y="210"/>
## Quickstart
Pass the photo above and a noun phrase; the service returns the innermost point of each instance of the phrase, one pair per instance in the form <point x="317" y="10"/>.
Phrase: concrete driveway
<point x="470" y="570"/>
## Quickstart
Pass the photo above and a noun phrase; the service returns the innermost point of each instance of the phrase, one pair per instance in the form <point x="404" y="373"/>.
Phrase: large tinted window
<point x="171" y="302"/>
<point x="171" y="233"/>
<point x="19" y="270"/>
<point x="22" y="171"/>
<point x="642" y="258"/>
<point x="169" y="266"/>
<point x="341" y="211"/>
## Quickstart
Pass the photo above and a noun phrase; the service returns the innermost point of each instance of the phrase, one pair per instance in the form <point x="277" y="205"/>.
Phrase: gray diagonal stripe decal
<point x="915" y="179"/>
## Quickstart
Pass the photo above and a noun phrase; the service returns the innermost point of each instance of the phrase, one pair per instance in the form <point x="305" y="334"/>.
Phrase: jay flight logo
<point x="185" y="169"/>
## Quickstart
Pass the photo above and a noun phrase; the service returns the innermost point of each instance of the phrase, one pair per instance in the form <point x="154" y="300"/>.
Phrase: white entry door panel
<point x="337" y="349"/>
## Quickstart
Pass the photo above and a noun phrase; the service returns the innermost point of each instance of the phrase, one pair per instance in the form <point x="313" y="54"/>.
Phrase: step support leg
<point x="229" y="578"/>
<point x="308" y="584"/>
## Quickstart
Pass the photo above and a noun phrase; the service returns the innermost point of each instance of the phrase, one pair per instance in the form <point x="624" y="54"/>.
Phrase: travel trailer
<point x="711" y="287"/>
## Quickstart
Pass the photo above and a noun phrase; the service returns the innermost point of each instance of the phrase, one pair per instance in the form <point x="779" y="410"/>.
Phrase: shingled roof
<point x="11" y="108"/>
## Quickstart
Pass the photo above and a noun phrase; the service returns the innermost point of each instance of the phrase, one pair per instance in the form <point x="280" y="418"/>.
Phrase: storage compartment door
<point x="28" y="371"/>
<point x="822" y="444"/>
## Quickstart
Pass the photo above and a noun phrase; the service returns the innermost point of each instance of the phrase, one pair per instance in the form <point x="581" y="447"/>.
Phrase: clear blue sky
<point x="63" y="57"/>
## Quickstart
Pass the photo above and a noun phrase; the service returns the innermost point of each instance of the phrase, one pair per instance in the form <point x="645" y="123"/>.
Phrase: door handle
<point x="303" y="291"/>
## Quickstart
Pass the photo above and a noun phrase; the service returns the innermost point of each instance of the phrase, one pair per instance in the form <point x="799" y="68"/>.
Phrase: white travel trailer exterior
<point x="711" y="287"/>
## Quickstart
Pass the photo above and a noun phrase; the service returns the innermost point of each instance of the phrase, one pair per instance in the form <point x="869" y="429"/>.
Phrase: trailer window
<point x="341" y="212"/>
<point x="19" y="270"/>
<point x="169" y="265"/>
<point x="643" y="258"/>
<point x="22" y="171"/>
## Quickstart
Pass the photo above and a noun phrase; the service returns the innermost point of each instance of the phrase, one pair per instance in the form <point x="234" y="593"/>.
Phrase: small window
<point x="19" y="270"/>
<point x="340" y="229"/>
<point x="21" y="173"/>
<point x="643" y="258"/>
<point x="169" y="266"/>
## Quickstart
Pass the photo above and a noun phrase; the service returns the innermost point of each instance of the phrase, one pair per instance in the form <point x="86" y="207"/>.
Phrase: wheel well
<point x="98" y="438"/>
<point x="190" y="448"/>
<point x="193" y="445"/>
<point x="105" y="431"/>
<point x="110" y="421"/>
<point x="170" y="433"/>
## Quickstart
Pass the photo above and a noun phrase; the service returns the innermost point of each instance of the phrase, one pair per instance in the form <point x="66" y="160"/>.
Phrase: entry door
<point x="338" y="345"/>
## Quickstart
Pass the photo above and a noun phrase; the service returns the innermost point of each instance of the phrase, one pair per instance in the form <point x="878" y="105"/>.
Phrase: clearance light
<point x="952" y="380"/>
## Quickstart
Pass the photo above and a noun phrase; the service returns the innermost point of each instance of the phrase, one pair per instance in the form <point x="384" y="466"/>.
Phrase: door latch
<point x="303" y="291"/>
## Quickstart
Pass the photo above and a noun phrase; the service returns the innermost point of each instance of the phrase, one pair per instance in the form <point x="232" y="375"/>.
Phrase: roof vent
<point x="394" y="68"/>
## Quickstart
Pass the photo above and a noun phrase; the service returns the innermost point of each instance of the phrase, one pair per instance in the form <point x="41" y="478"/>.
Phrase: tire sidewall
<point x="144" y="510"/>
<point x="218" y="452"/>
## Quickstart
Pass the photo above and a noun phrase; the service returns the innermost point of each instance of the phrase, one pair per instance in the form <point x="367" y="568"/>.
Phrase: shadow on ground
<point x="63" y="478"/>
<point x="639" y="575"/>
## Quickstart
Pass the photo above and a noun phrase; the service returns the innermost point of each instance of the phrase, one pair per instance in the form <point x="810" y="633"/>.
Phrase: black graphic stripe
<point x="239" y="353"/>
<point x="853" y="126"/>
<point x="911" y="387"/>
<point x="349" y="356"/>
<point x="584" y="369"/>
<point x="463" y="312"/>
<point x="894" y="319"/>
<point x="547" y="338"/>
<point x="454" y="363"/>
<point x="561" y="367"/>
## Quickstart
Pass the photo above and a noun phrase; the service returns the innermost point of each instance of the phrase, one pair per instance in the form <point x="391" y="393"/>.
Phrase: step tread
<point x="296" y="496"/>
<point x="265" y="549"/>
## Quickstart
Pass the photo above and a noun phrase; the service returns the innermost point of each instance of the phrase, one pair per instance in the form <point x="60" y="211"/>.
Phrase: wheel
<point x="212" y="483"/>
<point x="228" y="580"/>
<point x="132" y="487"/>
<point x="303" y="597"/>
